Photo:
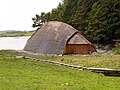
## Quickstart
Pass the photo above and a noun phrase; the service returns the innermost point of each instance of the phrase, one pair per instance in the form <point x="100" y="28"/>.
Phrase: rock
<point x="19" y="56"/>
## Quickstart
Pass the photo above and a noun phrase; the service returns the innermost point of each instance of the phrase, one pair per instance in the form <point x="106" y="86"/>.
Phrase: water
<point x="14" y="43"/>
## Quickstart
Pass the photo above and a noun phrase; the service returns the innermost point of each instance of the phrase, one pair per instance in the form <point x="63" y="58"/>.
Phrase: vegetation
<point x="116" y="50"/>
<point x="104" y="21"/>
<point x="98" y="20"/>
<point x="23" y="74"/>
<point x="96" y="61"/>
<point x="17" y="34"/>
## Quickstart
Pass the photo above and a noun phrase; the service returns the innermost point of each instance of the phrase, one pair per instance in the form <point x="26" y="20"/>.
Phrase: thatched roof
<point x="52" y="38"/>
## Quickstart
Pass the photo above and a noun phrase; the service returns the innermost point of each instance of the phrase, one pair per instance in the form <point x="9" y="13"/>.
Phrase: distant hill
<point x="12" y="33"/>
<point x="2" y="32"/>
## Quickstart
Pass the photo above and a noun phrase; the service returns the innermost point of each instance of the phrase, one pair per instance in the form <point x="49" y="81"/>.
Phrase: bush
<point x="116" y="50"/>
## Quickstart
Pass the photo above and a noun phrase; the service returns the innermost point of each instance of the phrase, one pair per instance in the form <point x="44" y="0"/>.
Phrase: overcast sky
<point x="17" y="14"/>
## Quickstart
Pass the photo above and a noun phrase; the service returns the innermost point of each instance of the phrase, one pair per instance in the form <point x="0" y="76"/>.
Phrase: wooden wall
<point x="78" y="49"/>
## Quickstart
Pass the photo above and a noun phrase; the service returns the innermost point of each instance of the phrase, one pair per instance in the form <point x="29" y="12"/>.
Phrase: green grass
<point x="116" y="50"/>
<point x="96" y="61"/>
<point x="22" y="74"/>
<point x="17" y="34"/>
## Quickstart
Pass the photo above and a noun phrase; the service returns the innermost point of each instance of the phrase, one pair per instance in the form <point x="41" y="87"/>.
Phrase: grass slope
<point x="21" y="74"/>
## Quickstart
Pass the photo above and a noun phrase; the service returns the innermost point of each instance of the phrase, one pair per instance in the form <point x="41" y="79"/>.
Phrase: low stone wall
<point x="105" y="71"/>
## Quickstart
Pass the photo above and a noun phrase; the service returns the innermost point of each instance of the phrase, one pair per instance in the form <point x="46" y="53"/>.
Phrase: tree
<point x="104" y="21"/>
<point x="68" y="10"/>
<point x="55" y="13"/>
<point x="81" y="14"/>
<point x="38" y="20"/>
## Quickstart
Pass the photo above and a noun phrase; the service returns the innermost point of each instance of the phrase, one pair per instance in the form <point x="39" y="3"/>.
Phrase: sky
<point x="17" y="14"/>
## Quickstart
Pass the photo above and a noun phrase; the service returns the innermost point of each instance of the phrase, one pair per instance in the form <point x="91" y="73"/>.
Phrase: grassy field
<point x="17" y="34"/>
<point x="98" y="61"/>
<point x="22" y="74"/>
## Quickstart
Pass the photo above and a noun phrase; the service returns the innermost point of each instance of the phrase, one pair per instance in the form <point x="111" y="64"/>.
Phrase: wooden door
<point x="76" y="49"/>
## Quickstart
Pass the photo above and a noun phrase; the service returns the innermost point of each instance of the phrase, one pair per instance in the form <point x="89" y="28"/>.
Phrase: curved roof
<point x="51" y="38"/>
